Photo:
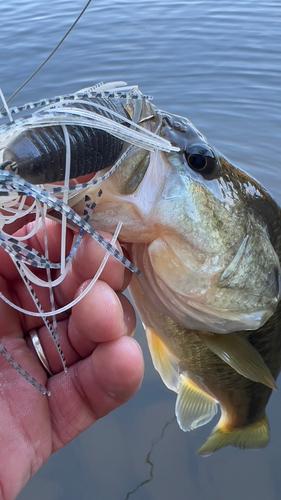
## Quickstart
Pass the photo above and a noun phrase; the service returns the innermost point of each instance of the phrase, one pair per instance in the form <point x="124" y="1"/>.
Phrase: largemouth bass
<point x="206" y="238"/>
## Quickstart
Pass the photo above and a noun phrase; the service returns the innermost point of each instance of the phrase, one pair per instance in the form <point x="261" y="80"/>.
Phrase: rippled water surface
<point x="218" y="63"/>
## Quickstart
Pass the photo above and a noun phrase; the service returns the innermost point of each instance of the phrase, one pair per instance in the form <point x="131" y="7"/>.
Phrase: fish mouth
<point x="220" y="321"/>
<point x="242" y="296"/>
<point x="196" y="315"/>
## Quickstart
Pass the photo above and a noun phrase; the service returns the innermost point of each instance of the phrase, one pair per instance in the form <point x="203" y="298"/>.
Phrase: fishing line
<point x="80" y="297"/>
<point x="148" y="459"/>
<point x="65" y="194"/>
<point x="52" y="53"/>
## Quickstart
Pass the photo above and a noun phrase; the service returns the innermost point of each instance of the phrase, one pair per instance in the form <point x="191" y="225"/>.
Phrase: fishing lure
<point x="99" y="124"/>
<point x="64" y="138"/>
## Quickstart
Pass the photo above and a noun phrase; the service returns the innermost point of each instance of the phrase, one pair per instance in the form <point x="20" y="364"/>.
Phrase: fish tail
<point x="253" y="436"/>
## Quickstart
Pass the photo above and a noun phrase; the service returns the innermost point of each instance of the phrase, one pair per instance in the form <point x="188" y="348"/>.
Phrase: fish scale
<point x="207" y="240"/>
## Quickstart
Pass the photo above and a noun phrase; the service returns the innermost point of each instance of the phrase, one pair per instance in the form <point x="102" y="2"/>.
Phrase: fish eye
<point x="200" y="159"/>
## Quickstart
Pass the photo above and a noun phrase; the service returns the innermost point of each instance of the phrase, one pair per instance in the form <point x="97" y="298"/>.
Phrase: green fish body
<point x="207" y="239"/>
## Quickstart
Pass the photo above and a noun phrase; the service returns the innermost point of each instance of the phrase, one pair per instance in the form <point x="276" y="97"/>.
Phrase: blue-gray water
<point x="219" y="64"/>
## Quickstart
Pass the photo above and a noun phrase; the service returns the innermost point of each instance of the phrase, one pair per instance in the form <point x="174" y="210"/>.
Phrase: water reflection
<point x="218" y="63"/>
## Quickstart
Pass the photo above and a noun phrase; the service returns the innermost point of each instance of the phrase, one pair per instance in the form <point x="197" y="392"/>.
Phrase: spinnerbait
<point x="64" y="138"/>
<point x="99" y="124"/>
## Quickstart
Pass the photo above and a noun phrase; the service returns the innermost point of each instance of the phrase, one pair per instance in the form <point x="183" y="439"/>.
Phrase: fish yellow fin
<point x="254" y="436"/>
<point x="240" y="355"/>
<point x="163" y="360"/>
<point x="193" y="407"/>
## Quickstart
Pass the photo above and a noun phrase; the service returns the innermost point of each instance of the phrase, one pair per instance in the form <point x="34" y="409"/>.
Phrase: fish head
<point x="203" y="233"/>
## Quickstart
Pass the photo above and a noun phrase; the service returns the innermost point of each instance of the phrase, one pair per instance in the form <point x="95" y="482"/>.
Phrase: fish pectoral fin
<point x="163" y="360"/>
<point x="193" y="407"/>
<point x="254" y="436"/>
<point x="240" y="355"/>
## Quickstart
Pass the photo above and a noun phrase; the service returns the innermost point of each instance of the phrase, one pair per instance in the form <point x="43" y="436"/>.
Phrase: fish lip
<point x="230" y="321"/>
<point x="195" y="315"/>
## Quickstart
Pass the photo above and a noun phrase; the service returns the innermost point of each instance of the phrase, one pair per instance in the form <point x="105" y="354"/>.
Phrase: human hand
<point x="105" y="365"/>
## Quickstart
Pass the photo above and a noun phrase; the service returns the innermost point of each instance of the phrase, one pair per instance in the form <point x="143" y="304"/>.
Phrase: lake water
<point x="219" y="64"/>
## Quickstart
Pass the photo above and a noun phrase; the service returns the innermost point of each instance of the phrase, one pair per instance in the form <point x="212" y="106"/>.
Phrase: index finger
<point x="84" y="266"/>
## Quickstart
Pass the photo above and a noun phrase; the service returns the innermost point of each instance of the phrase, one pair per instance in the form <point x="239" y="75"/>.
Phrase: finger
<point x="101" y="316"/>
<point x="129" y="314"/>
<point x="94" y="387"/>
<point x="40" y="295"/>
<point x="7" y="267"/>
<point x="50" y="349"/>
<point x="85" y="262"/>
<point x="10" y="322"/>
<point x="84" y="266"/>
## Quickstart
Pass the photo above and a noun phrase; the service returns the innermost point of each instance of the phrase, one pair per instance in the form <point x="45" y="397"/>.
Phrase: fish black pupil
<point x="197" y="161"/>
<point x="200" y="158"/>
